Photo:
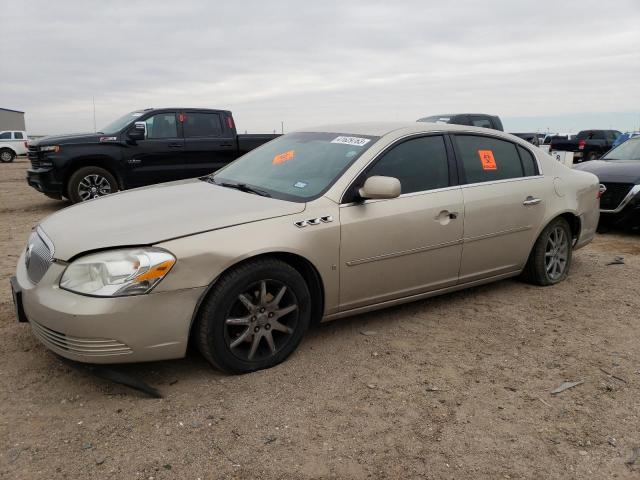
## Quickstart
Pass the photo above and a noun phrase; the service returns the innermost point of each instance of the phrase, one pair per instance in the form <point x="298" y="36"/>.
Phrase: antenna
<point x="94" y="115"/>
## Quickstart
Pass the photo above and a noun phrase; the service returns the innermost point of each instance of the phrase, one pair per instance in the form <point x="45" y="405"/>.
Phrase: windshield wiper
<point x="243" y="187"/>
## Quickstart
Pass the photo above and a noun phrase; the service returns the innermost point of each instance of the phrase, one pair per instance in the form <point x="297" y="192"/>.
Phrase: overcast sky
<point x="563" y="65"/>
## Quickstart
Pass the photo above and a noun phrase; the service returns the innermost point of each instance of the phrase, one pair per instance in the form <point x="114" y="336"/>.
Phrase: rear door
<point x="407" y="245"/>
<point x="160" y="156"/>
<point x="209" y="142"/>
<point x="504" y="202"/>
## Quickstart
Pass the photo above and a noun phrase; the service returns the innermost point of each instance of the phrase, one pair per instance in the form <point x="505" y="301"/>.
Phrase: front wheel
<point x="550" y="258"/>
<point x="90" y="182"/>
<point x="6" y="155"/>
<point x="255" y="316"/>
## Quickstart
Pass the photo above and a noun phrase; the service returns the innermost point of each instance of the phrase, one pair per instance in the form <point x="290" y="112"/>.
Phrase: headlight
<point x="115" y="273"/>
<point x="50" y="148"/>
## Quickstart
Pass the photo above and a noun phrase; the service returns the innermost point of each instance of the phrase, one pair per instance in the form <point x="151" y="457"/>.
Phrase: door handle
<point x="226" y="144"/>
<point x="445" y="216"/>
<point x="176" y="145"/>
<point x="531" y="201"/>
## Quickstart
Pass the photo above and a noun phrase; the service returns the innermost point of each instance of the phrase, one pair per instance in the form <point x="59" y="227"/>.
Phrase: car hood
<point x="157" y="213"/>
<point x="67" y="139"/>
<point x="615" y="171"/>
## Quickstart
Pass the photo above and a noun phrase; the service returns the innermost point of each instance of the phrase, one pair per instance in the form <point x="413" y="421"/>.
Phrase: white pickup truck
<point x="12" y="143"/>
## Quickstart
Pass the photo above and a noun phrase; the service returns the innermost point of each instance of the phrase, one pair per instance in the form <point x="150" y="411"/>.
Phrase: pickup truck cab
<point x="12" y="144"/>
<point x="471" y="119"/>
<point x="141" y="148"/>
<point x="587" y="144"/>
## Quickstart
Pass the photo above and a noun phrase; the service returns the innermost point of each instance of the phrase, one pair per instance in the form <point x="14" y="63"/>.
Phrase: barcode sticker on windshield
<point x="360" y="142"/>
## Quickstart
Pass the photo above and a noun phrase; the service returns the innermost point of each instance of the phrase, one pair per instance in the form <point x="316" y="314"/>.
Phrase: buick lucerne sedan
<point x="314" y="225"/>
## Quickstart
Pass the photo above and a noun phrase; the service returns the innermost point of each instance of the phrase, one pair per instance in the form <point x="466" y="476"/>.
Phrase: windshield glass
<point x="119" y="124"/>
<point x="629" y="150"/>
<point x="296" y="166"/>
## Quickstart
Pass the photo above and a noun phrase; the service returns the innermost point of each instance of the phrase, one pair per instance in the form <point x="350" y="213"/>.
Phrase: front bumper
<point x="627" y="214"/>
<point x="45" y="181"/>
<point x="139" y="328"/>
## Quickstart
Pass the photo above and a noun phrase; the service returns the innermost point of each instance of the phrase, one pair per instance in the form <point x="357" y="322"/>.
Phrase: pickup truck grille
<point x="34" y="156"/>
<point x="614" y="195"/>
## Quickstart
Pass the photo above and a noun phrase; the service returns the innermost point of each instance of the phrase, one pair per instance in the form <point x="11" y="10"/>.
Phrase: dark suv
<point x="472" y="119"/>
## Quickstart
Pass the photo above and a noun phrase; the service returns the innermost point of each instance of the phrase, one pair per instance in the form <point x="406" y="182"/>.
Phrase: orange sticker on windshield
<point x="283" y="157"/>
<point x="488" y="162"/>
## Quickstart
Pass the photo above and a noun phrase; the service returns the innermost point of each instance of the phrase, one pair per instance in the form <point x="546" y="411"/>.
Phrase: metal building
<point x="11" y="119"/>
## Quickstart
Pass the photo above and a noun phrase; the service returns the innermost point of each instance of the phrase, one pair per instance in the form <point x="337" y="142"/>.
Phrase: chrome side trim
<point x="498" y="234"/>
<point x="386" y="256"/>
<point x="632" y="193"/>
<point x="404" y="195"/>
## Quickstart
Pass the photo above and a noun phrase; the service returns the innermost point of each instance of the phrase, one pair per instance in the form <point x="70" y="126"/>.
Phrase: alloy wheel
<point x="6" y="156"/>
<point x="261" y="321"/>
<point x="93" y="186"/>
<point x="556" y="253"/>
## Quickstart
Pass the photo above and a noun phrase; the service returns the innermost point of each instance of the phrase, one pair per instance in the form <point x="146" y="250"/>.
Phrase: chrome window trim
<point x="452" y="133"/>
<point x="504" y="180"/>
<point x="632" y="193"/>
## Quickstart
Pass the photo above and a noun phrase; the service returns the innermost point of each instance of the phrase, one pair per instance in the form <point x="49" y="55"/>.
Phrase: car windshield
<point x="120" y="123"/>
<point x="297" y="166"/>
<point x="629" y="150"/>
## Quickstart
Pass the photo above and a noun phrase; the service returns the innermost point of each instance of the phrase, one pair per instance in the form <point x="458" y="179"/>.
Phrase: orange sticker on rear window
<point x="283" y="157"/>
<point x="488" y="162"/>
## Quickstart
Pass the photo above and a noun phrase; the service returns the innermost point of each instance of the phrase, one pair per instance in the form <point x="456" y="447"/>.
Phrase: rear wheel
<point x="550" y="258"/>
<point x="90" y="182"/>
<point x="255" y="316"/>
<point x="7" y="155"/>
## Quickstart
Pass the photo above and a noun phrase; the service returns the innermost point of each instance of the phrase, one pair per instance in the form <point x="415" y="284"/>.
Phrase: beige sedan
<point x="315" y="225"/>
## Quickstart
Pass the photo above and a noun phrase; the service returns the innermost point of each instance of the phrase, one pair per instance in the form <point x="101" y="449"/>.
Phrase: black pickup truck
<point x="587" y="144"/>
<point x="141" y="148"/>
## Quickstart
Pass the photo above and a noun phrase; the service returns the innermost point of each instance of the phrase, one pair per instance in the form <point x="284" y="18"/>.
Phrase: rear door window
<point x="198" y="125"/>
<point x="487" y="159"/>
<point x="18" y="135"/>
<point x="419" y="163"/>
<point x="529" y="164"/>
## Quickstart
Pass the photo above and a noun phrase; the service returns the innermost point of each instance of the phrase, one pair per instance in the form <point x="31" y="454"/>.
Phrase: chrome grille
<point x="93" y="347"/>
<point x="38" y="256"/>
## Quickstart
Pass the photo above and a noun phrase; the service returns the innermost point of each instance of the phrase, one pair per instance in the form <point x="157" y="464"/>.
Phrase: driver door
<point x="408" y="245"/>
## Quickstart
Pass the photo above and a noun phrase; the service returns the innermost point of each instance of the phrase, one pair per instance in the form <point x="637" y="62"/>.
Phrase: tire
<point x="88" y="183"/>
<point x="240" y="335"/>
<point x="7" y="155"/>
<point x="539" y="269"/>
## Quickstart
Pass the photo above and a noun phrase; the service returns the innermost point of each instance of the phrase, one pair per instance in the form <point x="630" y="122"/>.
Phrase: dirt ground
<point x="452" y="387"/>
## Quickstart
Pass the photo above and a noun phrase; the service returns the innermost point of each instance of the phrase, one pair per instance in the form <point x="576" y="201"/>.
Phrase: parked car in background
<point x="624" y="137"/>
<point x="141" y="148"/>
<point x="619" y="171"/>
<point x="472" y="119"/>
<point x="12" y="144"/>
<point x="315" y="225"/>
<point x="587" y="144"/>
<point x="532" y="138"/>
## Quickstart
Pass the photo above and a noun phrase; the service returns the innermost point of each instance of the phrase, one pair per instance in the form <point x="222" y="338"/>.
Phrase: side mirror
<point x="138" y="131"/>
<point x="378" y="187"/>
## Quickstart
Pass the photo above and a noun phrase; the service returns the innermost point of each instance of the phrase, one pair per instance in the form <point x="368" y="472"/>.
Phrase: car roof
<point x="379" y="129"/>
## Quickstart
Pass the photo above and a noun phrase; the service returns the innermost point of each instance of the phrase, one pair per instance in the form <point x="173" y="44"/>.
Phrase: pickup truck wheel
<point x="7" y="155"/>
<point x="255" y="316"/>
<point x="90" y="182"/>
<point x="550" y="257"/>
